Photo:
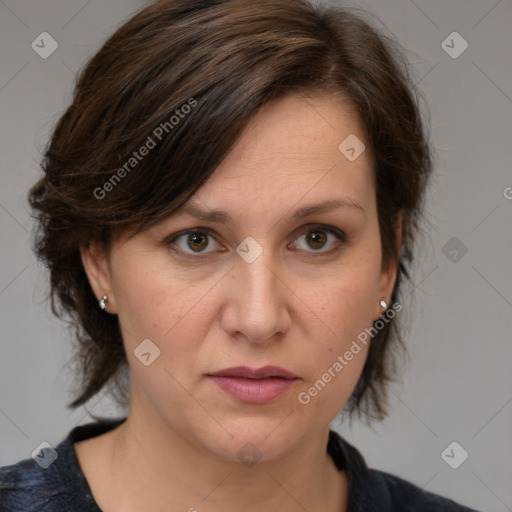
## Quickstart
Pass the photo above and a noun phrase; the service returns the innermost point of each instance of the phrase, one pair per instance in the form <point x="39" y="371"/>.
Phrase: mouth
<point x="254" y="386"/>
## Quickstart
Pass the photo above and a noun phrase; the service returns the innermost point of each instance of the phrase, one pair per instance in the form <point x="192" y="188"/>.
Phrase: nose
<point x="256" y="306"/>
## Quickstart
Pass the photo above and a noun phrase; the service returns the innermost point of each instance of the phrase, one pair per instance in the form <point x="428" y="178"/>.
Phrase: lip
<point x="250" y="373"/>
<point x="254" y="386"/>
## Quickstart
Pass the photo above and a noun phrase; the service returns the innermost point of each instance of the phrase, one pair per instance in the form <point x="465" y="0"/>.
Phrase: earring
<point x="383" y="305"/>
<point x="103" y="302"/>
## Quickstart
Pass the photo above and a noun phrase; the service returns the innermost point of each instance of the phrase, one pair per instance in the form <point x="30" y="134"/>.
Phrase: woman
<point x="228" y="208"/>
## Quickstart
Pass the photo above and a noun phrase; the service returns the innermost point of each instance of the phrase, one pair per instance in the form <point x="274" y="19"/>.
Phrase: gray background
<point x="457" y="385"/>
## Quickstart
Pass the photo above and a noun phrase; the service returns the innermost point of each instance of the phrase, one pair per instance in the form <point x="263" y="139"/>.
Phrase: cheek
<point x="336" y="361"/>
<point x="156" y="302"/>
<point x="350" y="299"/>
<point x="324" y="396"/>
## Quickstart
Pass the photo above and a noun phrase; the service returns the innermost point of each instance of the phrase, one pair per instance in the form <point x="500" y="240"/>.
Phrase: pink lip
<point x="254" y="386"/>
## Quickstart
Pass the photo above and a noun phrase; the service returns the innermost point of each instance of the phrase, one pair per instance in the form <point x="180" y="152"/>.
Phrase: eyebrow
<point x="223" y="217"/>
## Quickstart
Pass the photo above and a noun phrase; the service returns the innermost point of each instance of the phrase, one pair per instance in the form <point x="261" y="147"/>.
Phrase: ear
<point x="388" y="274"/>
<point x="97" y="267"/>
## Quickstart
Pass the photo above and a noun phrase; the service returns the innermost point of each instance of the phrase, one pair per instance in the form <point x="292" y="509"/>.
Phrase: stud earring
<point x="103" y="302"/>
<point x="383" y="305"/>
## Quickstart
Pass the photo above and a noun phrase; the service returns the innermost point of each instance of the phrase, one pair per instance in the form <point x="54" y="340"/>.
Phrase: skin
<point x="299" y="305"/>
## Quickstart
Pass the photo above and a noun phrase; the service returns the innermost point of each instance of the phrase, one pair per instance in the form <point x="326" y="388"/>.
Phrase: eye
<point x="193" y="240"/>
<point x="317" y="238"/>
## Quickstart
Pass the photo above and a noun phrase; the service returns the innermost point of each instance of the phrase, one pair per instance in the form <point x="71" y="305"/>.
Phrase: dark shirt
<point x="62" y="487"/>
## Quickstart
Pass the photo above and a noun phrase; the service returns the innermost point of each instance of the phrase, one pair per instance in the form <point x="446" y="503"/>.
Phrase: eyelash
<point x="340" y="236"/>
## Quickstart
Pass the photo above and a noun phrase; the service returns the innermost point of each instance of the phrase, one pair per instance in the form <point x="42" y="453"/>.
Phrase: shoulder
<point x="371" y="489"/>
<point x="406" y="496"/>
<point x="52" y="480"/>
<point x="28" y="487"/>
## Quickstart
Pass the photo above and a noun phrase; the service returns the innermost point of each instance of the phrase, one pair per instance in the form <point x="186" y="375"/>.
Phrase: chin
<point x="250" y="439"/>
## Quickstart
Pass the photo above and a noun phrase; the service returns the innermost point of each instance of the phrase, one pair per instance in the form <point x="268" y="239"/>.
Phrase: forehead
<point x="299" y="126"/>
<point x="294" y="150"/>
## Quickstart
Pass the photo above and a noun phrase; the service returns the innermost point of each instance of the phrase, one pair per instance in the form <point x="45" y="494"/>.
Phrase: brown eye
<point x="316" y="239"/>
<point x="192" y="241"/>
<point x="313" y="240"/>
<point x="197" y="241"/>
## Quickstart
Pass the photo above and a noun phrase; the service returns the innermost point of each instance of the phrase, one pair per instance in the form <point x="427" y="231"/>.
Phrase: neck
<point x="155" y="470"/>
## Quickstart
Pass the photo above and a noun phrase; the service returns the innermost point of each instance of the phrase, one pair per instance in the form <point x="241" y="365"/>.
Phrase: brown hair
<point x="225" y="60"/>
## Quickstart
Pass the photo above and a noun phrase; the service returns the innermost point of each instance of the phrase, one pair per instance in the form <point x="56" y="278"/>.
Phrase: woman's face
<point x="276" y="285"/>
